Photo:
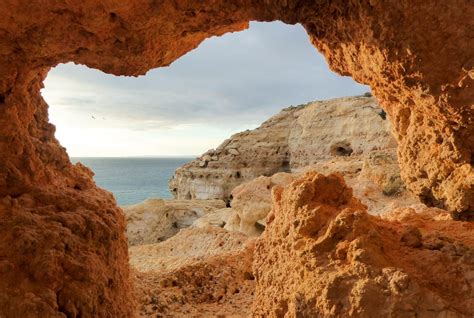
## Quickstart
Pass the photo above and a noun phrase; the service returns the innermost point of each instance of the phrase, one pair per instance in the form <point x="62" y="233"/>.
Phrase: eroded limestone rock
<point x="252" y="201"/>
<point x="216" y="218"/>
<point x="198" y="272"/>
<point x="323" y="254"/>
<point x="415" y="54"/>
<point x="287" y="142"/>
<point x="156" y="220"/>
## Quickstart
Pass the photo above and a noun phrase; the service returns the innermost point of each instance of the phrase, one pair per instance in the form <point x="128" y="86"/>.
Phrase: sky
<point x="226" y="85"/>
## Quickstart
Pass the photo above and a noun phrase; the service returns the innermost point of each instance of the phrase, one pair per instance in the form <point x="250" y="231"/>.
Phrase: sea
<point x="132" y="180"/>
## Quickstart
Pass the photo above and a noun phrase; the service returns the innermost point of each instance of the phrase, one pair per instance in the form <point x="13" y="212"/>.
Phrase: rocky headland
<point x="292" y="140"/>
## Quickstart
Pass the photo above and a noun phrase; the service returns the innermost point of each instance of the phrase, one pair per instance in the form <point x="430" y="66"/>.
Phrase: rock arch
<point x="63" y="251"/>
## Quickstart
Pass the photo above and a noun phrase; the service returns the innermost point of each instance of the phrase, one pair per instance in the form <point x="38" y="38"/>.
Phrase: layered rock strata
<point x="416" y="55"/>
<point x="241" y="158"/>
<point x="287" y="142"/>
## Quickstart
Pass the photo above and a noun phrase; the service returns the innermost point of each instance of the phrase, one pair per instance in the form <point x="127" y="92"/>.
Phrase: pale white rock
<point x="338" y="128"/>
<point x="262" y="151"/>
<point x="156" y="220"/>
<point x="233" y="151"/>
<point x="252" y="201"/>
<point x="296" y="137"/>
<point x="217" y="218"/>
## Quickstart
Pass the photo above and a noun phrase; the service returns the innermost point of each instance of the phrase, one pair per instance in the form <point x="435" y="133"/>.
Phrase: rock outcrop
<point x="251" y="203"/>
<point x="346" y="135"/>
<point x="375" y="180"/>
<point x="241" y="158"/>
<point x="287" y="142"/>
<point x="200" y="272"/>
<point x="156" y="220"/>
<point x="415" y="54"/>
<point x="323" y="255"/>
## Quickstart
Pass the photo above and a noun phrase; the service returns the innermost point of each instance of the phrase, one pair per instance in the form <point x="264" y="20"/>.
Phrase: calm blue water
<point x="133" y="180"/>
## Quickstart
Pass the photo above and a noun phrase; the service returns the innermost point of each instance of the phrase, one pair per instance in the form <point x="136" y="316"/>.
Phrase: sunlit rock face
<point x="293" y="139"/>
<point x="63" y="248"/>
<point x="323" y="253"/>
<point x="252" y="202"/>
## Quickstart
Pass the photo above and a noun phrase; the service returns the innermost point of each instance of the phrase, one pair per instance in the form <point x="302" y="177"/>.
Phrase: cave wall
<point x="63" y="248"/>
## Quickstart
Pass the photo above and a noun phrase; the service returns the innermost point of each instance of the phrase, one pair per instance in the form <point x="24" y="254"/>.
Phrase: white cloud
<point x="228" y="84"/>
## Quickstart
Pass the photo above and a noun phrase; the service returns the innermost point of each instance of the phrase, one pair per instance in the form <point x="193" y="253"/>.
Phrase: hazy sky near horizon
<point x="228" y="84"/>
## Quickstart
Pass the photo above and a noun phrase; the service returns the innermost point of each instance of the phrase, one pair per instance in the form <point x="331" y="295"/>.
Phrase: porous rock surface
<point x="189" y="245"/>
<point x="156" y="220"/>
<point x="323" y="255"/>
<point x="199" y="272"/>
<point x="374" y="178"/>
<point x="63" y="250"/>
<point x="251" y="203"/>
<point x="296" y="137"/>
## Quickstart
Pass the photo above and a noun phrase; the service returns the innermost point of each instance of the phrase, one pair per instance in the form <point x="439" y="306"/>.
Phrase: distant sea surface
<point x="133" y="180"/>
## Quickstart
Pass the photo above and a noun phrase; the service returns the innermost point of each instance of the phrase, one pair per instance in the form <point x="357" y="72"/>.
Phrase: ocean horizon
<point x="134" y="179"/>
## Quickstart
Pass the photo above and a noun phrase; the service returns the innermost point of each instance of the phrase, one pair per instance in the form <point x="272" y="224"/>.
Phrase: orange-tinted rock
<point x="203" y="272"/>
<point x="62" y="249"/>
<point x="415" y="54"/>
<point x="323" y="255"/>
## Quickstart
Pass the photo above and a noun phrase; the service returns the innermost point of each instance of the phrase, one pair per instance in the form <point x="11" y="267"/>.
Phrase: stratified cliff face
<point x="243" y="157"/>
<point x="293" y="139"/>
<point x="416" y="55"/>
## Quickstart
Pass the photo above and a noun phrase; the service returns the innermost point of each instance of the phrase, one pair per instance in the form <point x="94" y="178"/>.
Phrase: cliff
<point x="289" y="141"/>
<point x="321" y="252"/>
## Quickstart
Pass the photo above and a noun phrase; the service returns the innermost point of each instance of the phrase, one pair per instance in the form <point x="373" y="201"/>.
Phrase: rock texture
<point x="323" y="255"/>
<point x="189" y="245"/>
<point x="416" y="55"/>
<point x="346" y="135"/>
<point x="251" y="203"/>
<point x="156" y="220"/>
<point x="216" y="218"/>
<point x="200" y="272"/>
<point x="63" y="251"/>
<point x="375" y="180"/>
<point x="241" y="158"/>
<point x="293" y="139"/>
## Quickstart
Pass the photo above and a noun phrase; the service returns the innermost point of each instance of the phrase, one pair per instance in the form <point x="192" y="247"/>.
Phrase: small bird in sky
<point x="93" y="117"/>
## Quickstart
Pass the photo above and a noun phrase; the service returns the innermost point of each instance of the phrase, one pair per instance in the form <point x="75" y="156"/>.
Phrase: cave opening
<point x="132" y="129"/>
<point x="134" y="132"/>
<point x="63" y="249"/>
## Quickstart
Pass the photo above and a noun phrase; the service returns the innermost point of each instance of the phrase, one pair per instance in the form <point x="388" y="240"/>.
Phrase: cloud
<point x="237" y="80"/>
